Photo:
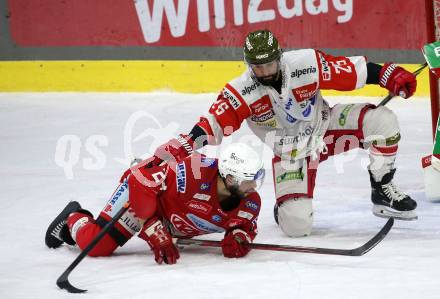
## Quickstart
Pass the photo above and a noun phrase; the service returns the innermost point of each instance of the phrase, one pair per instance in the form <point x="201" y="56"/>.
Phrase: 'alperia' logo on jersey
<point x="249" y="89"/>
<point x="299" y="73"/>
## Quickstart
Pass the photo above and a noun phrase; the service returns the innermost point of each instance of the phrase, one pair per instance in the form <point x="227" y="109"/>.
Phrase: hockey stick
<point x="63" y="280"/>
<point x="391" y="95"/>
<point x="361" y="250"/>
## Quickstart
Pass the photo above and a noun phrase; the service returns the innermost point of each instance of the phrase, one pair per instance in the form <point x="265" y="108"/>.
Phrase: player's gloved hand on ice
<point x="160" y="241"/>
<point x="174" y="150"/>
<point x="236" y="243"/>
<point x="397" y="80"/>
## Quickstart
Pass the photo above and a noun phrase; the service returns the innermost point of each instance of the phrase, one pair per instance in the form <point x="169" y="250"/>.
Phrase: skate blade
<point x="387" y="212"/>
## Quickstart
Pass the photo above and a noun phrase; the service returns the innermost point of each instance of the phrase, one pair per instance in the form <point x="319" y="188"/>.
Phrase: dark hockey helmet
<point x="260" y="47"/>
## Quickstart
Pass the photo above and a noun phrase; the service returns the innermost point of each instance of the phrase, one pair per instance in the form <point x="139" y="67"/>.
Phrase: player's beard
<point x="270" y="80"/>
<point x="233" y="200"/>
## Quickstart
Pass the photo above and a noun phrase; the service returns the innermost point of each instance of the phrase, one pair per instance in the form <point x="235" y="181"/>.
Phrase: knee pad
<point x="381" y="125"/>
<point x="295" y="217"/>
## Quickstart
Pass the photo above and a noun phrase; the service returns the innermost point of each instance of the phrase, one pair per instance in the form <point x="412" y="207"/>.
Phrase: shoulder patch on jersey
<point x="302" y="67"/>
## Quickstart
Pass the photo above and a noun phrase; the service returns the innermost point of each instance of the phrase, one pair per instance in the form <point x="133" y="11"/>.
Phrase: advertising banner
<point x="379" y="24"/>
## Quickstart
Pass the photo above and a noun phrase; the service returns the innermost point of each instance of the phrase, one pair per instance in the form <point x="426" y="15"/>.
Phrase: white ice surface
<point x="34" y="188"/>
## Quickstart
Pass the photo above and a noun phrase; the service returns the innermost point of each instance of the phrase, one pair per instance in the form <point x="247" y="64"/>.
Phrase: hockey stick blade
<point x="361" y="250"/>
<point x="63" y="280"/>
<point x="63" y="283"/>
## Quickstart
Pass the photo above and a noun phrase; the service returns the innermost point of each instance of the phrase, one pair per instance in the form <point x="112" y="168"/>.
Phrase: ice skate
<point x="389" y="201"/>
<point x="57" y="233"/>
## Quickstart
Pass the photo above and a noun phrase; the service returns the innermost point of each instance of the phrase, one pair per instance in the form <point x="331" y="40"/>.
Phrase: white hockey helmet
<point x="242" y="162"/>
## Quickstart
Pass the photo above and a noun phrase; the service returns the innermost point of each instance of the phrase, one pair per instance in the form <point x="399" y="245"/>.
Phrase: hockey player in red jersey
<point x="279" y="97"/>
<point x="196" y="196"/>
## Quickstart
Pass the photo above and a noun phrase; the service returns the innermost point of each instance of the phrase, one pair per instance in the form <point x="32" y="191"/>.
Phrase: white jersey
<point x="294" y="121"/>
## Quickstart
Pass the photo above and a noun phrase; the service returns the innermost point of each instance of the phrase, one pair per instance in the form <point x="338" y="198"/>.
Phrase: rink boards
<point x="142" y="76"/>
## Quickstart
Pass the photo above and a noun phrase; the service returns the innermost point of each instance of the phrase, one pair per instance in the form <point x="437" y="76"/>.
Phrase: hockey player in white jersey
<point x="279" y="97"/>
